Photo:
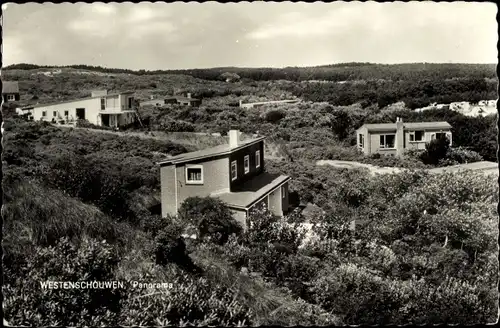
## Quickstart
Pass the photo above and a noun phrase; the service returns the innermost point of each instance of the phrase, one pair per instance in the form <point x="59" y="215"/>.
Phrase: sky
<point x="201" y="35"/>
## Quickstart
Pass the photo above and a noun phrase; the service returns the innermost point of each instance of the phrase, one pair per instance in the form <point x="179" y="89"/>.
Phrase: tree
<point x="211" y="217"/>
<point x="341" y="123"/>
<point x="436" y="150"/>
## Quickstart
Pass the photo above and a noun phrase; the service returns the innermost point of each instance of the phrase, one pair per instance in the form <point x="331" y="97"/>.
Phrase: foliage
<point x="28" y="303"/>
<point x="86" y="124"/>
<point x="436" y="150"/>
<point x="211" y="217"/>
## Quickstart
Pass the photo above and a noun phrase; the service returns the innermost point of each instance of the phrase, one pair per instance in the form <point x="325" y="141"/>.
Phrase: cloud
<point x="142" y="13"/>
<point x="12" y="51"/>
<point x="302" y="24"/>
<point x="99" y="8"/>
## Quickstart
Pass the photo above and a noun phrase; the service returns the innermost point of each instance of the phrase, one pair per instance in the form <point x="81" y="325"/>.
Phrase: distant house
<point x="100" y="108"/>
<point x="395" y="138"/>
<point x="233" y="172"/>
<point x="263" y="103"/>
<point x="25" y="111"/>
<point x="152" y="102"/>
<point x="10" y="91"/>
<point x="185" y="101"/>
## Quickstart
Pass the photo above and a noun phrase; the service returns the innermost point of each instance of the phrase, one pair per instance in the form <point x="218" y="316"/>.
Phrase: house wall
<point x="167" y="178"/>
<point x="239" y="157"/>
<point x="112" y="102"/>
<point x="275" y="202"/>
<point x="92" y="110"/>
<point x="241" y="217"/>
<point x="374" y="140"/>
<point x="126" y="118"/>
<point x="123" y="101"/>
<point x="367" y="145"/>
<point x="427" y="138"/>
<point x="215" y="179"/>
<point x="285" y="203"/>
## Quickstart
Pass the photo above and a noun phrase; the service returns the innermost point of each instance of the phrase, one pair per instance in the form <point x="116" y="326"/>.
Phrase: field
<point x="424" y="248"/>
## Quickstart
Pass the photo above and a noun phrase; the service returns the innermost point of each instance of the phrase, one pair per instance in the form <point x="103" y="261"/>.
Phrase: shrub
<point x="436" y="150"/>
<point x="461" y="155"/>
<point x="86" y="124"/>
<point x="274" y="115"/>
<point x="177" y="126"/>
<point x="211" y="217"/>
<point x="27" y="303"/>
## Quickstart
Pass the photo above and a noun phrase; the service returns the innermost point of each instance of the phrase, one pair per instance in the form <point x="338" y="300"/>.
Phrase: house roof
<point x="80" y="99"/>
<point x="410" y="125"/>
<point x="252" y="190"/>
<point x="181" y="98"/>
<point x="209" y="152"/>
<point x="10" y="87"/>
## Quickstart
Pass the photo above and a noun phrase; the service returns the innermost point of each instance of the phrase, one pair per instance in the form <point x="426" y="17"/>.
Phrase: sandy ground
<point x="356" y="165"/>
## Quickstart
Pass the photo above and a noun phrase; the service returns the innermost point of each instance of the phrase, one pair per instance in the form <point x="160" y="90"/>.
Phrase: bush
<point x="178" y="126"/>
<point x="461" y="155"/>
<point x="274" y="115"/>
<point x="86" y="124"/>
<point x="29" y="304"/>
<point x="436" y="150"/>
<point x="211" y="217"/>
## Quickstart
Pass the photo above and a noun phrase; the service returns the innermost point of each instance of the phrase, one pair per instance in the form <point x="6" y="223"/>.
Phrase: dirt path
<point x="356" y="165"/>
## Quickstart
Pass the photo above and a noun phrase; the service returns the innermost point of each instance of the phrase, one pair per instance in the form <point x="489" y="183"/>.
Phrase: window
<point x="103" y="103"/>
<point x="440" y="135"/>
<point x="66" y="113"/>
<point x="194" y="174"/>
<point x="257" y="158"/>
<point x="234" y="172"/>
<point x="44" y="113"/>
<point x="11" y="97"/>
<point x="54" y="113"/>
<point x="130" y="100"/>
<point x="361" y="141"/>
<point x="283" y="192"/>
<point x="387" y="141"/>
<point x="417" y="136"/>
<point x="246" y="164"/>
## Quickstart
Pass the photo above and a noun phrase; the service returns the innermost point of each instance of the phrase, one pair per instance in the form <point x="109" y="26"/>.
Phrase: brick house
<point x="233" y="172"/>
<point x="395" y="138"/>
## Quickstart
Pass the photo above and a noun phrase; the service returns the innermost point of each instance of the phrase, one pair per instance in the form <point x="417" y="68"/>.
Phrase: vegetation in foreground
<point x="424" y="249"/>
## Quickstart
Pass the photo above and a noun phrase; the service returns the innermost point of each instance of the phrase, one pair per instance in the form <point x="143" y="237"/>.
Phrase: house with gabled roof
<point x="233" y="172"/>
<point x="395" y="138"/>
<point x="10" y="91"/>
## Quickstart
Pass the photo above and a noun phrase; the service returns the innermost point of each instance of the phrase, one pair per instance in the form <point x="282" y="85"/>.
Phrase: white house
<point x="100" y="108"/>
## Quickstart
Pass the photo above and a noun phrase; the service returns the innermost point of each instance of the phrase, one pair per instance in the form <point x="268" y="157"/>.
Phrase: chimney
<point x="234" y="138"/>
<point x="400" y="144"/>
<point x="189" y="95"/>
<point x="152" y="97"/>
<point x="99" y="93"/>
<point x="241" y="102"/>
